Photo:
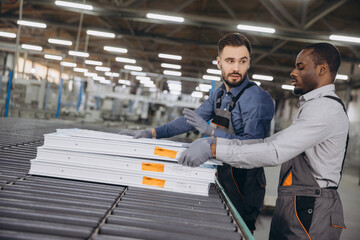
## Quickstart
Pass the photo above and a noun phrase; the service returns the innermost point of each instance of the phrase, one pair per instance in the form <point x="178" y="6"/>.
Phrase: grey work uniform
<point x="245" y="187"/>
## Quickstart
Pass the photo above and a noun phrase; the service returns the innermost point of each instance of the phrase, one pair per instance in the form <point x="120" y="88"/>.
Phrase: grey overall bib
<point x="245" y="187"/>
<point x="303" y="209"/>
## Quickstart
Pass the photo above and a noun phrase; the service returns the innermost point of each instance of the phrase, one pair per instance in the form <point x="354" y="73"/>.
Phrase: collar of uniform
<point x="316" y="93"/>
<point x="234" y="91"/>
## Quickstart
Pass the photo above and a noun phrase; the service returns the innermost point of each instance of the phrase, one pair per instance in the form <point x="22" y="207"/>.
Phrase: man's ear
<point x="323" y="69"/>
<point x="218" y="62"/>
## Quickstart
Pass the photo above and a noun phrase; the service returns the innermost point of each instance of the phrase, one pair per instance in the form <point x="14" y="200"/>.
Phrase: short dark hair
<point x="235" y="40"/>
<point x="326" y="53"/>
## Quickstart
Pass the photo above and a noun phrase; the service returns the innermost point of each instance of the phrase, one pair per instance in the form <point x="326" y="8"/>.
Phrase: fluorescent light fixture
<point x="74" y="5"/>
<point x="262" y="77"/>
<point x="174" y="92"/>
<point x="214" y="62"/>
<point x="31" y="24"/>
<point x="112" y="74"/>
<point x="165" y="17"/>
<point x="342" y="77"/>
<point x="100" y="34"/>
<point x="175" y="87"/>
<point x="173" y="82"/>
<point x="213" y="71"/>
<point x="169" y="56"/>
<point x="89" y="74"/>
<point x="196" y="94"/>
<point x="344" y="38"/>
<point x="99" y="78"/>
<point x="149" y="85"/>
<point x="141" y="78"/>
<point x="125" y="82"/>
<point x="78" y="54"/>
<point x="204" y="87"/>
<point x="133" y="68"/>
<point x="287" y="87"/>
<point x="172" y="73"/>
<point x="60" y="41"/>
<point x="102" y="69"/>
<point x="138" y="73"/>
<point x="255" y="28"/>
<point x="211" y="77"/>
<point x="92" y="62"/>
<point x="125" y="60"/>
<point x="172" y="66"/>
<point x="105" y="81"/>
<point x="53" y="57"/>
<point x="7" y="34"/>
<point x="31" y="47"/>
<point x="83" y="70"/>
<point x="68" y="64"/>
<point x="257" y="83"/>
<point x="115" y="49"/>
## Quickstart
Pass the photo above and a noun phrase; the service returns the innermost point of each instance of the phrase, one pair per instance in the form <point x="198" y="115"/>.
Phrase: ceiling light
<point x="125" y="60"/>
<point x="213" y="71"/>
<point x="165" y="17"/>
<point x="196" y="94"/>
<point x="98" y="78"/>
<point x="287" y="87"/>
<point x="112" y="74"/>
<point x="59" y="41"/>
<point x="262" y="77"/>
<point x="105" y="81"/>
<point x="115" y="49"/>
<point x="100" y="34"/>
<point x="169" y="56"/>
<point x="91" y="62"/>
<point x="74" y="5"/>
<point x="344" y="38"/>
<point x="173" y="82"/>
<point x="143" y="78"/>
<point x="175" y="87"/>
<point x="103" y="69"/>
<point x="68" y="64"/>
<point x="174" y="92"/>
<point x="172" y="66"/>
<point x="89" y="74"/>
<point x="125" y="82"/>
<point x="7" y="34"/>
<point x="172" y="73"/>
<point x="214" y="62"/>
<point x="138" y="73"/>
<point x="83" y="70"/>
<point x="204" y="87"/>
<point x="53" y="57"/>
<point x="134" y="68"/>
<point x="78" y="54"/>
<point x="210" y="77"/>
<point x="31" y="24"/>
<point x="31" y="47"/>
<point x="256" y="29"/>
<point x="342" y="77"/>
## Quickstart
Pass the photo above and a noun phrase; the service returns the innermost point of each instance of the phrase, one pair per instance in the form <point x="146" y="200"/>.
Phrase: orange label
<point x="165" y="152"/>
<point x="152" y="167"/>
<point x="153" y="182"/>
<point x="288" y="180"/>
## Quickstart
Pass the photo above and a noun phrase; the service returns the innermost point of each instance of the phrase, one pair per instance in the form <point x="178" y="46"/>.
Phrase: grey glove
<point x="137" y="133"/>
<point x="197" y="122"/>
<point x="197" y="153"/>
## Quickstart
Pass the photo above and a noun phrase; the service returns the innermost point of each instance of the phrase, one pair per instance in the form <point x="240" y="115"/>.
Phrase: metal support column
<point x="59" y="98"/>
<point x="80" y="96"/>
<point x="11" y="74"/>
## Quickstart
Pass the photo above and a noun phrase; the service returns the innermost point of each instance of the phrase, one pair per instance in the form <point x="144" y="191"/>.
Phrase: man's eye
<point x="301" y="68"/>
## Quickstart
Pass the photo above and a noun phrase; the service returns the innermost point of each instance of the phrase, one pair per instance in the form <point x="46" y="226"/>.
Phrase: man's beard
<point x="298" y="91"/>
<point x="242" y="77"/>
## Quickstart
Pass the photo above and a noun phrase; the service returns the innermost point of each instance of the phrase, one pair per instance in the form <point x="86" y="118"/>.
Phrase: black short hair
<point x="326" y="53"/>
<point x="235" y="40"/>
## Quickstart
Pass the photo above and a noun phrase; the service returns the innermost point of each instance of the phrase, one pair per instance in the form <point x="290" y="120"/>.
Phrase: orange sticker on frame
<point x="153" y="182"/>
<point x="163" y="152"/>
<point x="152" y="167"/>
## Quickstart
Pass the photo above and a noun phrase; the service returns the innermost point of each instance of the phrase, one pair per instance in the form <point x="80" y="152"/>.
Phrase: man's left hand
<point x="197" y="153"/>
<point x="197" y="122"/>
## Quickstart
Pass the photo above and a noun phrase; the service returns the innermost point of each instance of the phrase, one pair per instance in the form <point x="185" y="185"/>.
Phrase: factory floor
<point x="349" y="191"/>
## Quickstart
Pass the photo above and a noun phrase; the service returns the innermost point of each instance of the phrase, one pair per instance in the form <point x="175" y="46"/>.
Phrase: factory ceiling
<point x="297" y="24"/>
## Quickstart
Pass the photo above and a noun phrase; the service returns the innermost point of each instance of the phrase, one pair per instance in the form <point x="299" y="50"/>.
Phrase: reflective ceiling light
<point x="175" y="87"/>
<point x="169" y="56"/>
<point x="68" y="64"/>
<point x="174" y="92"/>
<point x="98" y="78"/>
<point x="115" y="49"/>
<point x="256" y="29"/>
<point x="165" y="17"/>
<point x="143" y="78"/>
<point x="31" y="24"/>
<point x="134" y="68"/>
<point x="78" y="54"/>
<point x="257" y="83"/>
<point x="172" y="73"/>
<point x="149" y="85"/>
<point x="344" y="38"/>
<point x="92" y="62"/>
<point x="172" y="66"/>
<point x="125" y="60"/>
<point x="100" y="34"/>
<point x="74" y="5"/>
<point x="262" y="77"/>
<point x="213" y="71"/>
<point x="125" y="82"/>
<point x="173" y="82"/>
<point x="89" y="74"/>
<point x="210" y="77"/>
<point x="31" y="47"/>
<point x="287" y="87"/>
<point x="112" y="74"/>
<point x="83" y="70"/>
<point x="7" y="34"/>
<point x="105" y="81"/>
<point x="53" y="57"/>
<point x="342" y="77"/>
<point x="204" y="87"/>
<point x="102" y="69"/>
<point x="138" y="73"/>
<point x="60" y="41"/>
<point x="214" y="62"/>
<point x="196" y="94"/>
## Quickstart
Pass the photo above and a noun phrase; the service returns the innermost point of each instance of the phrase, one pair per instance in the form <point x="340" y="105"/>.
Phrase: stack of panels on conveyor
<point x="36" y="207"/>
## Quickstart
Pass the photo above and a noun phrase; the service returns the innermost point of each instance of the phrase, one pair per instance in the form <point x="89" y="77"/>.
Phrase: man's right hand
<point x="146" y="133"/>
